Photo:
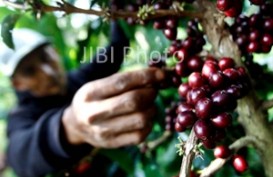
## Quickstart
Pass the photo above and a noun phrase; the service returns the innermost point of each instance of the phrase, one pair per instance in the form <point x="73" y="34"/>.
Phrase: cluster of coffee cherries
<point x="239" y="162"/>
<point x="211" y="92"/>
<point x="193" y="44"/>
<point x="233" y="8"/>
<point x="182" y="50"/>
<point x="207" y="98"/>
<point x="254" y="34"/>
<point x="167" y="24"/>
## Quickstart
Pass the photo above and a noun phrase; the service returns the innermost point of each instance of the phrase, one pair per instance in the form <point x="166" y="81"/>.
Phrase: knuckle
<point x="145" y="77"/>
<point x="105" y="134"/>
<point x="141" y="120"/>
<point x="91" y="118"/>
<point x="86" y="93"/>
<point x="131" y="105"/>
<point x="93" y="115"/>
<point x="90" y="87"/>
<point x="102" y="134"/>
<point x="121" y="82"/>
<point x="132" y="102"/>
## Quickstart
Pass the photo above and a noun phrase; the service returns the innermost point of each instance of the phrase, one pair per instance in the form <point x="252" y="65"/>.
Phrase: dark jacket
<point x="36" y="138"/>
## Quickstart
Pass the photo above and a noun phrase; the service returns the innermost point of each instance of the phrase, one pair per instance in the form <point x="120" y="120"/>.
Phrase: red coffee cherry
<point x="203" y="108"/>
<point x="170" y="33"/>
<point x="223" y="5"/>
<point x="222" y="120"/>
<point x="222" y="152"/>
<point x="202" y="129"/>
<point x="239" y="163"/>
<point x="225" y="63"/>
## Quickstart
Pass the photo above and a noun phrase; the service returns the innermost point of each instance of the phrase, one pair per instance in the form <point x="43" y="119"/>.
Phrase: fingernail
<point x="159" y="75"/>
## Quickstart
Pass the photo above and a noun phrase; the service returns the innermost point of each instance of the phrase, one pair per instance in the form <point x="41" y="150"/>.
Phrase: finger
<point x="126" y="123"/>
<point x="126" y="103"/>
<point x="122" y="82"/>
<point x="129" y="138"/>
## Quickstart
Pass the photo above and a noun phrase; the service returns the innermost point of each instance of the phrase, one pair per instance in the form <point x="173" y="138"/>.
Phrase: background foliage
<point x="72" y="33"/>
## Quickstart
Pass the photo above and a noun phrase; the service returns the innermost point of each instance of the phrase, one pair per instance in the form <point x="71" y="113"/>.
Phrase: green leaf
<point x="93" y="3"/>
<point x="152" y="170"/>
<point x="4" y="11"/>
<point x="167" y="157"/>
<point x="122" y="157"/>
<point x="7" y="25"/>
<point x="128" y="29"/>
<point x="148" y="167"/>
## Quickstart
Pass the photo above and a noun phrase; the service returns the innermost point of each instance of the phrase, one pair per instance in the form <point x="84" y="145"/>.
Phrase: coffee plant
<point x="214" y="103"/>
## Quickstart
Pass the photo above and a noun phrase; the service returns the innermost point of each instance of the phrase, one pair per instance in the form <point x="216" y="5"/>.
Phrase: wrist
<point x="73" y="136"/>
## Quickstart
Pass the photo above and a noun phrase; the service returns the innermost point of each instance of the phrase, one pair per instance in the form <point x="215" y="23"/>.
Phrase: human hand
<point x="115" y="111"/>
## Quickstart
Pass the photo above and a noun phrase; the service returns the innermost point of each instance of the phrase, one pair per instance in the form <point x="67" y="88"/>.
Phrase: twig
<point x="21" y="6"/>
<point x="213" y="167"/>
<point x="267" y="104"/>
<point x="189" y="154"/>
<point x="69" y="8"/>
<point x="218" y="163"/>
<point x="153" y="144"/>
<point x="242" y="142"/>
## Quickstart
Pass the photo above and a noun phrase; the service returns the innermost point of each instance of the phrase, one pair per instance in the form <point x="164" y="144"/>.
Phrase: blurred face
<point x="40" y="73"/>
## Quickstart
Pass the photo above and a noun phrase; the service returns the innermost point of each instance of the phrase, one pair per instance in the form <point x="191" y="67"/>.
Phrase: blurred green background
<point x="72" y="33"/>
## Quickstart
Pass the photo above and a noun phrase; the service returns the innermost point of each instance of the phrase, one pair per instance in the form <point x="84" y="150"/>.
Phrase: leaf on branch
<point x="7" y="25"/>
<point x="178" y="7"/>
<point x="145" y="11"/>
<point x="60" y="4"/>
<point x="106" y="15"/>
<point x="93" y="3"/>
<point x="180" y="146"/>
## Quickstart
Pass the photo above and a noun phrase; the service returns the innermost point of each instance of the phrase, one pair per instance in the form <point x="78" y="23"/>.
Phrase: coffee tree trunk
<point x="251" y="115"/>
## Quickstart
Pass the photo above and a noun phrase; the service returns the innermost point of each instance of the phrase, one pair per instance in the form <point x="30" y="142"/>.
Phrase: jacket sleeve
<point x="37" y="148"/>
<point x="106" y="61"/>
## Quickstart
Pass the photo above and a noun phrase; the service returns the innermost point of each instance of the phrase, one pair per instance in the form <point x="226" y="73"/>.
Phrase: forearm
<point x="39" y="149"/>
<point x="23" y="156"/>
